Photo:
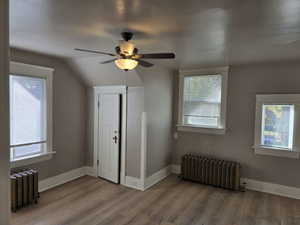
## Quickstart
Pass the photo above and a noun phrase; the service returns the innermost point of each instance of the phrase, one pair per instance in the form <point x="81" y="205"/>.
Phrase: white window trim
<point x="277" y="99"/>
<point x="223" y="71"/>
<point x="20" y="69"/>
<point x="31" y="159"/>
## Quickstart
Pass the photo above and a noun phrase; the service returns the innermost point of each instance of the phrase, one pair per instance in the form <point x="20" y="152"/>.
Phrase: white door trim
<point x="122" y="90"/>
<point x="144" y="148"/>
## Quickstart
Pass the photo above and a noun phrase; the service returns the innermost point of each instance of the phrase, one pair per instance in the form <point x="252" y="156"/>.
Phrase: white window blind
<point x="202" y="100"/>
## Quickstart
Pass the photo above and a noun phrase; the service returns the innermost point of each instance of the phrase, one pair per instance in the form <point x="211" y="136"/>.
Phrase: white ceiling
<point x="200" y="32"/>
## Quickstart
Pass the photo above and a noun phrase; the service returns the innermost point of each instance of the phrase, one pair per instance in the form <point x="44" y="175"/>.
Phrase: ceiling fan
<point x="127" y="56"/>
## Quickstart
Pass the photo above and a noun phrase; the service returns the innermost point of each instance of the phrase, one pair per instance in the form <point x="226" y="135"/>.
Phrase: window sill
<point x="203" y="130"/>
<point x="262" y="150"/>
<point x="31" y="159"/>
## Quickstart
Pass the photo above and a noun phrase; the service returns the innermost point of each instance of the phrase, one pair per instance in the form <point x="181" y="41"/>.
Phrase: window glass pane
<point x="28" y="110"/>
<point x="23" y="151"/>
<point x="202" y="100"/>
<point x="277" y="126"/>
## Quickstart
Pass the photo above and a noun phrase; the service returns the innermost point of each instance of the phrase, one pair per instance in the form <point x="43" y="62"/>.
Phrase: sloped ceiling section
<point x="95" y="73"/>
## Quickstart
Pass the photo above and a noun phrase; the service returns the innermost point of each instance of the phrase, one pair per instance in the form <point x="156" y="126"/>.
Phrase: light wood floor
<point x="92" y="201"/>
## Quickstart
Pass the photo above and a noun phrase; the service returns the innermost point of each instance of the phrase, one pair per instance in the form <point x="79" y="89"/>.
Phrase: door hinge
<point x="98" y="162"/>
<point x="98" y="104"/>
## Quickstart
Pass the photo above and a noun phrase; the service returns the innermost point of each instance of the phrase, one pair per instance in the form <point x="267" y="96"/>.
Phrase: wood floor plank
<point x="65" y="205"/>
<point x="194" y="208"/>
<point x="92" y="201"/>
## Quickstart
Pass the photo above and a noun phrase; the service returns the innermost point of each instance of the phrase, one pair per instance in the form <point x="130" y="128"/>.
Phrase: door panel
<point x="109" y="135"/>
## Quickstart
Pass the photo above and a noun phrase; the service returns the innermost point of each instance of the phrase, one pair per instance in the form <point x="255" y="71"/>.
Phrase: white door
<point x="109" y="136"/>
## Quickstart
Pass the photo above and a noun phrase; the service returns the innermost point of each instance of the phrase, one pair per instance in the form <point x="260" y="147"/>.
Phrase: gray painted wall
<point x="69" y="115"/>
<point x="135" y="108"/>
<point x="4" y="116"/>
<point x="244" y="83"/>
<point x="158" y="105"/>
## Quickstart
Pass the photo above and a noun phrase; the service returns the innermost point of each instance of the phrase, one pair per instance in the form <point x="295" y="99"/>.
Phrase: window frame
<point x="223" y="71"/>
<point x="28" y="70"/>
<point x="276" y="99"/>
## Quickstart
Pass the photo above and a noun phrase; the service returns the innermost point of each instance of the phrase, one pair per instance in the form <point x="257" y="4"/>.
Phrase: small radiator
<point x="216" y="172"/>
<point x="24" y="188"/>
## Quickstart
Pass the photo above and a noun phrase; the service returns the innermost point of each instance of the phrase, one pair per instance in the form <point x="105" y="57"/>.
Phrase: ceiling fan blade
<point x="108" y="61"/>
<point x="145" y="63"/>
<point x="156" y="56"/>
<point x="93" y="51"/>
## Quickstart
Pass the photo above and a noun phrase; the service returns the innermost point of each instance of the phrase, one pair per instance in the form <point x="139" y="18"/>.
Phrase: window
<point x="30" y="111"/>
<point x="202" y="100"/>
<point x="28" y="135"/>
<point x="275" y="126"/>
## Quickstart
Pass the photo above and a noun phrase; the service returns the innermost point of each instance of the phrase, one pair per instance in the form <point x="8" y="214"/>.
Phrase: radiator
<point x="24" y="188"/>
<point x="216" y="172"/>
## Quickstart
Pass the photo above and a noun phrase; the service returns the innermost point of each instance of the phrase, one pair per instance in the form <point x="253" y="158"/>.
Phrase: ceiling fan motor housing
<point x="126" y="49"/>
<point x="127" y="36"/>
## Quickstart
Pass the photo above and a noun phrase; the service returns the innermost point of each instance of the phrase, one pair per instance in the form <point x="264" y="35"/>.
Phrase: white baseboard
<point x="271" y="188"/>
<point x="157" y="177"/>
<point x="175" y="168"/>
<point x="138" y="184"/>
<point x="90" y="171"/>
<point x="61" y="179"/>
<point x="134" y="183"/>
<point x="255" y="185"/>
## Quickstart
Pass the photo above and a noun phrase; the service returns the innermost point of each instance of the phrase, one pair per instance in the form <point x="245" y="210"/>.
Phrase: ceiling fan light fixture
<point x="126" y="64"/>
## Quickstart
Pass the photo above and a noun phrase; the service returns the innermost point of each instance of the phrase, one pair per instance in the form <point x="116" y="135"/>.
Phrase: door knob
<point x="115" y="138"/>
